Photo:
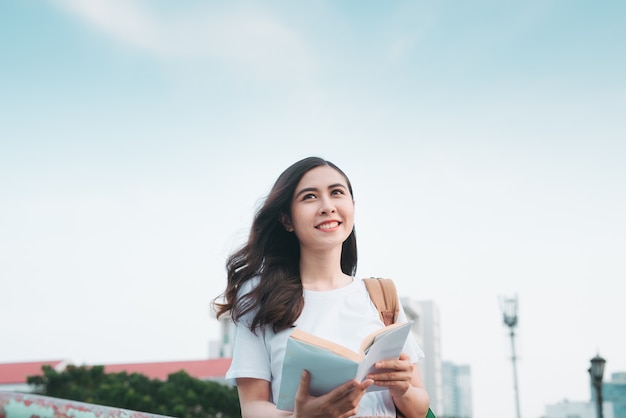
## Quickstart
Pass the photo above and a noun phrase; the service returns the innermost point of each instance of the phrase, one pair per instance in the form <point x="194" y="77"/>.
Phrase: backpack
<point x="385" y="297"/>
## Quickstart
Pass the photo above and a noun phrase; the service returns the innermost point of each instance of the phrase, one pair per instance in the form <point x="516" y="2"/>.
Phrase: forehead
<point x="321" y="177"/>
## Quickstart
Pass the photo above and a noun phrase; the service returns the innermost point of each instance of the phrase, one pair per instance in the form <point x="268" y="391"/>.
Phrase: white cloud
<point x="246" y="39"/>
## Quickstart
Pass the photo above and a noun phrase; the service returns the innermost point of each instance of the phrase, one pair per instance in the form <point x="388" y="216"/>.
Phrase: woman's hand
<point x="394" y="374"/>
<point x="405" y="385"/>
<point x="342" y="402"/>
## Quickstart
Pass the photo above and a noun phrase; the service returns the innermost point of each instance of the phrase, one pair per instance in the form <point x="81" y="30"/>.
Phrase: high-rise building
<point x="457" y="390"/>
<point x="427" y="330"/>
<point x="614" y="391"/>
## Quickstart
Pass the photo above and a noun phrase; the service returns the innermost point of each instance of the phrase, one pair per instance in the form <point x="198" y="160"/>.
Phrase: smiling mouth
<point x="328" y="225"/>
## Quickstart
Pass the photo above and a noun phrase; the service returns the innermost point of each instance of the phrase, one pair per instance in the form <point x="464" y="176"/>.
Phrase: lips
<point x="328" y="225"/>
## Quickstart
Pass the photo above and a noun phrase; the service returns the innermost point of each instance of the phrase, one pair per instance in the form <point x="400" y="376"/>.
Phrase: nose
<point x="327" y="206"/>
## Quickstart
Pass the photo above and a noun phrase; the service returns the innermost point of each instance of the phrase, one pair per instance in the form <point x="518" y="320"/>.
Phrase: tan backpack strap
<point x="385" y="297"/>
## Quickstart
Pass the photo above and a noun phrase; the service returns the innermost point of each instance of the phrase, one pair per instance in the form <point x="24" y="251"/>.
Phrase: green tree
<point x="180" y="396"/>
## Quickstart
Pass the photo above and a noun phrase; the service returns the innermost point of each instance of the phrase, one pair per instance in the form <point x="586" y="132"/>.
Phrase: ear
<point x="284" y="219"/>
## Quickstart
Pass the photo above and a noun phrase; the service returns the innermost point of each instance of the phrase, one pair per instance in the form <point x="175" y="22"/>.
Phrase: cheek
<point x="348" y="210"/>
<point x="301" y="216"/>
<point x="348" y="215"/>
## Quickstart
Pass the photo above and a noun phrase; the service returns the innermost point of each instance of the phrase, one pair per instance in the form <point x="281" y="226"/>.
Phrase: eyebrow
<point x="314" y="189"/>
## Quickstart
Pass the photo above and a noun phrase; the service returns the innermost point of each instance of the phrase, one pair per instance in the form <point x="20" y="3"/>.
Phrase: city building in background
<point x="457" y="390"/>
<point x="567" y="409"/>
<point x="427" y="329"/>
<point x="223" y="346"/>
<point x="613" y="405"/>
<point x="614" y="391"/>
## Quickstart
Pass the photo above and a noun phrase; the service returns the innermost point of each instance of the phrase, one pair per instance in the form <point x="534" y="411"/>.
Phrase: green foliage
<point x="181" y="396"/>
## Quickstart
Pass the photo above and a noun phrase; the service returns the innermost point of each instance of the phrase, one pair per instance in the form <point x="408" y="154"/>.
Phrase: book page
<point x="316" y="341"/>
<point x="387" y="345"/>
<point x="369" y="340"/>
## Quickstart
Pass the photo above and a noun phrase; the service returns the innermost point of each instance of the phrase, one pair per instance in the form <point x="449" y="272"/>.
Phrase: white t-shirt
<point x="345" y="316"/>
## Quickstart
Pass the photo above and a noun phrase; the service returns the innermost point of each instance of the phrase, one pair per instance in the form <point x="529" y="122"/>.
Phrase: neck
<point x="322" y="271"/>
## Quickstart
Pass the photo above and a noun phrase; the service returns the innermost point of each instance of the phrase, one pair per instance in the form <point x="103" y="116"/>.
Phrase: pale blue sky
<point x="486" y="142"/>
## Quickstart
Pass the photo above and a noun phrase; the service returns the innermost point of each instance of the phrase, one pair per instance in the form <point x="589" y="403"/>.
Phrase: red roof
<point x="16" y="373"/>
<point x="200" y="369"/>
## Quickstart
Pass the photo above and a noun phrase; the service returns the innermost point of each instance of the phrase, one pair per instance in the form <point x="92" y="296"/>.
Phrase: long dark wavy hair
<point x="273" y="254"/>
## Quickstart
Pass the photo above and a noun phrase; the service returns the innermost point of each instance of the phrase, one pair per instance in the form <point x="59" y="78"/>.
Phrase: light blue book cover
<point x="331" y="365"/>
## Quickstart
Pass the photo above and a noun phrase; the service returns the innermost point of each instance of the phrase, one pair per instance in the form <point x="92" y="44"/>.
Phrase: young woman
<point x="297" y="270"/>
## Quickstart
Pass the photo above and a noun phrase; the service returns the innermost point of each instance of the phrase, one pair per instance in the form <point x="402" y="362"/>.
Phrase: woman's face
<point x="322" y="209"/>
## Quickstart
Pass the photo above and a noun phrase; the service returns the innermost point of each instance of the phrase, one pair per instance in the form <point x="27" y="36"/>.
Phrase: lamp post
<point x="509" y="313"/>
<point x="596" y="371"/>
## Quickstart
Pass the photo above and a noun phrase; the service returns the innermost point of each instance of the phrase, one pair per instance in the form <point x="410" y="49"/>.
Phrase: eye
<point x="308" y="196"/>
<point x="337" y="192"/>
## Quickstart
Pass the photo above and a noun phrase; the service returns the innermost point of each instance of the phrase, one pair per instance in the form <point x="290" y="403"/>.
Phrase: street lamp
<point x="596" y="371"/>
<point x="509" y="314"/>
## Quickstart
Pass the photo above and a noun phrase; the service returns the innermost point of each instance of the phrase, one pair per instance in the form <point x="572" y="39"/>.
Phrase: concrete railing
<point x="24" y="405"/>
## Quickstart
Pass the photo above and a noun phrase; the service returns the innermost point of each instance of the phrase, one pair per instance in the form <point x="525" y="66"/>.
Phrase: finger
<point x="366" y="384"/>
<point x="303" y="388"/>
<point x="344" y="389"/>
<point x="383" y="377"/>
<point x="354" y="396"/>
<point x="397" y="376"/>
<point x="399" y="365"/>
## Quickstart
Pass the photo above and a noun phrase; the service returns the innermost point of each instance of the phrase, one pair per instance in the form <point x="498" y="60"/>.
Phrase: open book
<point x="331" y="365"/>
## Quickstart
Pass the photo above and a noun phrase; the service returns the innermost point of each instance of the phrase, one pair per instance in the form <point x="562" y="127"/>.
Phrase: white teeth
<point x="329" y="225"/>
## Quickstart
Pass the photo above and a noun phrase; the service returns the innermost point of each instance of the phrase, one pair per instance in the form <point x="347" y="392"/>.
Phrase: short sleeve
<point x="250" y="357"/>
